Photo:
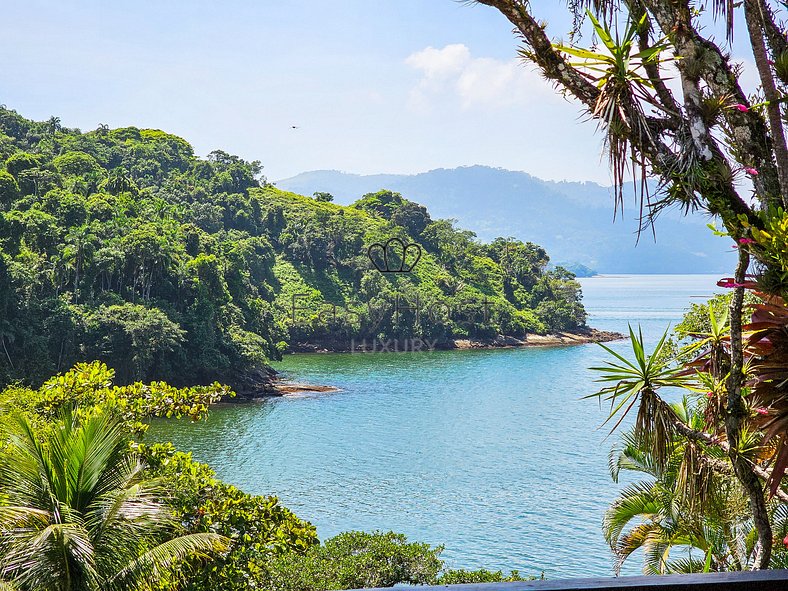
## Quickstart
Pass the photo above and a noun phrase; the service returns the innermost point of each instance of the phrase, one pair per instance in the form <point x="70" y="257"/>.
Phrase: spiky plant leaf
<point x="637" y="382"/>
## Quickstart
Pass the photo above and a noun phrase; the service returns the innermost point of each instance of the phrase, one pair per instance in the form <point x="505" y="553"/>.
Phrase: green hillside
<point x="122" y="245"/>
<point x="572" y="220"/>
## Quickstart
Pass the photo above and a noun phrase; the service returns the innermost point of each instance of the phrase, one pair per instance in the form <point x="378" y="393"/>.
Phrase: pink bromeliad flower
<point x="709" y="394"/>
<point x="729" y="283"/>
<point x="746" y="241"/>
<point x="761" y="411"/>
<point x="742" y="108"/>
<point x="751" y="171"/>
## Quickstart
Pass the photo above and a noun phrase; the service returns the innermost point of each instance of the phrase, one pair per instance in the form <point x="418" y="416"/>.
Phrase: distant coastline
<point x="271" y="384"/>
<point x="573" y="221"/>
<point x="554" y="339"/>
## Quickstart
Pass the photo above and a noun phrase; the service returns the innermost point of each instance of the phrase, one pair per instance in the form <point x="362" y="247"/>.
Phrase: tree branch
<point x="753" y="17"/>
<point x="700" y="59"/>
<point x="719" y="465"/>
<point x="709" y="440"/>
<point x="775" y="36"/>
<point x="552" y="63"/>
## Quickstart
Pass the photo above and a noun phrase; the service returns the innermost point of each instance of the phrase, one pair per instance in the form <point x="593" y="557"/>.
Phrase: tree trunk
<point x="736" y="411"/>
<point x="5" y="349"/>
<point x="752" y="10"/>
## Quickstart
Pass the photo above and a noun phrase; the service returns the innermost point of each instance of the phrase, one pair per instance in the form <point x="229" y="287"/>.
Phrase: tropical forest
<point x="123" y="246"/>
<point x="347" y="357"/>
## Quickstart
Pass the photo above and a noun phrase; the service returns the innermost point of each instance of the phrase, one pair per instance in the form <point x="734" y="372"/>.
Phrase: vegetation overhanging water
<point x="490" y="452"/>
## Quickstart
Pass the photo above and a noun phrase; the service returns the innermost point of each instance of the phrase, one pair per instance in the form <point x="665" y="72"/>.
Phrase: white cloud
<point x="440" y="63"/>
<point x="476" y="81"/>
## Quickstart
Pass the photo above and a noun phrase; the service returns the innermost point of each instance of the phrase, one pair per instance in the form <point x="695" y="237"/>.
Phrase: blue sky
<point x="374" y="86"/>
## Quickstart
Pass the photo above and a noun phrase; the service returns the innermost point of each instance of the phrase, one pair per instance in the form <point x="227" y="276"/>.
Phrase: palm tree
<point x="119" y="181"/>
<point x="78" y="241"/>
<point x="78" y="514"/>
<point x="53" y="125"/>
<point x="679" y="508"/>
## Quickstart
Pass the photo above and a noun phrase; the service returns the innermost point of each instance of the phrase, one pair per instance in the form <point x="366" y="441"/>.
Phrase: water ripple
<point x="491" y="453"/>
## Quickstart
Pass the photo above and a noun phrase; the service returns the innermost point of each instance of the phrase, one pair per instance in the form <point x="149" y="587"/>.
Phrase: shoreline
<point x="555" y="339"/>
<point x="273" y="385"/>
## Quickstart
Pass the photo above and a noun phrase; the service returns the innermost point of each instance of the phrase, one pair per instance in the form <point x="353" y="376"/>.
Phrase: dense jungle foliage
<point x="122" y="245"/>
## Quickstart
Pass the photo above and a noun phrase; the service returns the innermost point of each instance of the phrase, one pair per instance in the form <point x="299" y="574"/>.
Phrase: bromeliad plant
<point x="708" y="142"/>
<point x="626" y="93"/>
<point x="767" y="347"/>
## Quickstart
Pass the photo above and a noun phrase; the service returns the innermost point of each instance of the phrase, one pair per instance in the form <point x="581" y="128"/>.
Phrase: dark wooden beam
<point x="763" y="580"/>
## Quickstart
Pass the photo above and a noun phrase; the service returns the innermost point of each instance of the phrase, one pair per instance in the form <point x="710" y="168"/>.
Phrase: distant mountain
<point x="572" y="220"/>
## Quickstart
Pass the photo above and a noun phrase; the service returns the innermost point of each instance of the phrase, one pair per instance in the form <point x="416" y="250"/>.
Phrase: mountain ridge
<point x="573" y="220"/>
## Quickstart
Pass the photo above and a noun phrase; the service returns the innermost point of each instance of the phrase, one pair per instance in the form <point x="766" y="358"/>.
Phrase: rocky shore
<point x="556" y="339"/>
<point x="267" y="382"/>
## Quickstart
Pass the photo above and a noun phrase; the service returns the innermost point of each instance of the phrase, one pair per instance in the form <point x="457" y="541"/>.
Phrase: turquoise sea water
<point x="491" y="453"/>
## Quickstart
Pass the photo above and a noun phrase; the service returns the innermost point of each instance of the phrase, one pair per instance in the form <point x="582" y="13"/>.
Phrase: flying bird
<point x="294" y="127"/>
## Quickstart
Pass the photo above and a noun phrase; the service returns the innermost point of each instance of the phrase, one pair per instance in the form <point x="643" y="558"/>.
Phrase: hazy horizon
<point x="368" y="87"/>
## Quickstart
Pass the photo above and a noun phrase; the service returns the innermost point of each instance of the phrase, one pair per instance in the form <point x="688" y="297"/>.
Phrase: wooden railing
<point x="765" y="580"/>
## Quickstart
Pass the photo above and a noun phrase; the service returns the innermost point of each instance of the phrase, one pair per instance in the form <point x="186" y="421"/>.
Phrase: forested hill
<point x="573" y="221"/>
<point x="122" y="245"/>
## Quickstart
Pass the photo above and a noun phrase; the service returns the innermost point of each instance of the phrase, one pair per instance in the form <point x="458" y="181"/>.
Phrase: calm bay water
<point x="491" y="453"/>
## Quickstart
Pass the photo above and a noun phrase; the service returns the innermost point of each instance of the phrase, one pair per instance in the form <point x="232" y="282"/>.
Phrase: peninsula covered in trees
<point x="121" y="245"/>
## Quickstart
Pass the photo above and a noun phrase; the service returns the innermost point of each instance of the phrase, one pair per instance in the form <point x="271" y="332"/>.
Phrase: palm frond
<point x="629" y="455"/>
<point x="78" y="513"/>
<point x="165" y="556"/>
<point x="637" y="501"/>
